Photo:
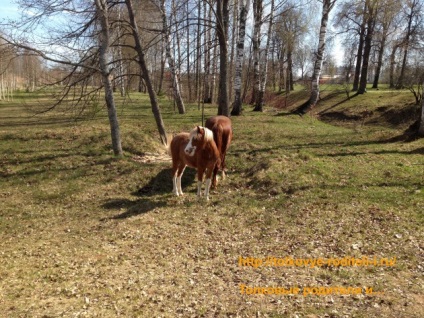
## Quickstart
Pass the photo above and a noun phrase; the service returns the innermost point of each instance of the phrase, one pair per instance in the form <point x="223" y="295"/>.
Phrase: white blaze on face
<point x="190" y="149"/>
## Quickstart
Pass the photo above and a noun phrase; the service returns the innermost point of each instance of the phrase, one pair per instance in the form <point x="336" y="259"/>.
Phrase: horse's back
<point x="218" y="120"/>
<point x="178" y="143"/>
<point x="222" y="130"/>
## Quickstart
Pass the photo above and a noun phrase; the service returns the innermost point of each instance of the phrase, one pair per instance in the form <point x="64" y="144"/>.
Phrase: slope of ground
<point x="383" y="107"/>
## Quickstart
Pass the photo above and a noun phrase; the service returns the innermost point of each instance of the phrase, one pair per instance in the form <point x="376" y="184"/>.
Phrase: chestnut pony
<point x="222" y="134"/>
<point x="198" y="150"/>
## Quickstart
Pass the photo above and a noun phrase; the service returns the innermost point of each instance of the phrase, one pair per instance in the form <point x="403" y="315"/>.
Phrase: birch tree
<point x="386" y="20"/>
<point x="256" y="44"/>
<point x="207" y="86"/>
<point x="371" y="8"/>
<point x="244" y="10"/>
<point x="171" y="61"/>
<point x="413" y="15"/>
<point x="145" y="72"/>
<point x="102" y="12"/>
<point x="8" y="58"/>
<point x="327" y="5"/>
<point x="263" y="79"/>
<point x="395" y="47"/>
<point x="358" y="65"/>
<point x="119" y="48"/>
<point x="222" y="17"/>
<point x="421" y="119"/>
<point x="85" y="50"/>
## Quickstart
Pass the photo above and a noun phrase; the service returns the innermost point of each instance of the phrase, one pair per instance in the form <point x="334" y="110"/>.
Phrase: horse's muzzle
<point x="190" y="151"/>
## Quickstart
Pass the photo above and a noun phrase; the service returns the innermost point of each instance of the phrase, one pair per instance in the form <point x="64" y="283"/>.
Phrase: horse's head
<point x="199" y="136"/>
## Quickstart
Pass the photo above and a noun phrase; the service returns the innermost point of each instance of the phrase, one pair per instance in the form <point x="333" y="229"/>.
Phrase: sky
<point x="8" y="9"/>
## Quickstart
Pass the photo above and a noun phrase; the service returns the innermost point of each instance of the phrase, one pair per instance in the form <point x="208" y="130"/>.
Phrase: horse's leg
<point x="181" y="169"/>
<point x="225" y="145"/>
<point x="223" y="167"/>
<point x="209" y="173"/>
<point x="200" y="172"/>
<point x="219" y="140"/>
<point x="174" y="178"/>
<point x="214" y="179"/>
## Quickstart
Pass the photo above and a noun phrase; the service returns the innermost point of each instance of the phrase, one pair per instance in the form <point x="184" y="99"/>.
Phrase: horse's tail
<point x="219" y="141"/>
<point x="169" y="138"/>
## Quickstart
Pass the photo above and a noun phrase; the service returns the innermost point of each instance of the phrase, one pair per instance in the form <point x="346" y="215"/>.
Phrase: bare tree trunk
<point x="392" y="66"/>
<point x="327" y="5"/>
<point x="247" y="78"/>
<point x="273" y="63"/>
<point x="207" y="97"/>
<point x="222" y="16"/>
<point x="371" y="11"/>
<point x="214" y="69"/>
<point x="406" y="42"/>
<point x="162" y="65"/>
<point x="2" y="87"/>
<point x="386" y="22"/>
<point x="256" y="42"/>
<point x="244" y="9"/>
<point x="198" y="51"/>
<point x="178" y="44"/>
<point x="1" y="80"/>
<point x="233" y="49"/>
<point x="141" y="86"/>
<point x="281" y="68"/>
<point x="262" y="87"/>
<point x="145" y="73"/>
<point x="379" y="62"/>
<point x="121" y="81"/>
<point x="171" y="62"/>
<point x="189" y="87"/>
<point x="104" y="51"/>
<point x="358" y="66"/>
<point x="289" y="70"/>
<point x="421" y="126"/>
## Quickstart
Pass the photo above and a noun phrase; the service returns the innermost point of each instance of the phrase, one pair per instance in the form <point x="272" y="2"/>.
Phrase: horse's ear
<point x="199" y="130"/>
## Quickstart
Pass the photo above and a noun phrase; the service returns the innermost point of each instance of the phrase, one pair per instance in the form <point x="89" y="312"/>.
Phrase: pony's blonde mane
<point x="208" y="133"/>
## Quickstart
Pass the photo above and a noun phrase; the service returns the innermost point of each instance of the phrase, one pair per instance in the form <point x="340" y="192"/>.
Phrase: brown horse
<point x="198" y="150"/>
<point x="222" y="134"/>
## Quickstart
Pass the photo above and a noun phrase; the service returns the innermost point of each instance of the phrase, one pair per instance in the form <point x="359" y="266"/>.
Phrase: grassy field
<point x="84" y="234"/>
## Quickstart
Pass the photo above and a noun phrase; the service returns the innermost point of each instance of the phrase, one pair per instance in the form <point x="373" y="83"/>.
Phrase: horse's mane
<point x="208" y="133"/>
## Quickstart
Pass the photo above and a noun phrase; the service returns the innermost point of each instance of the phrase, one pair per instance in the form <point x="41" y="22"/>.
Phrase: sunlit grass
<point x="85" y="234"/>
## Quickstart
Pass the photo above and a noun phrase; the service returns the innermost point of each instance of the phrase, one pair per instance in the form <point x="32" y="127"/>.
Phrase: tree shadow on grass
<point x="285" y="113"/>
<point x="132" y="208"/>
<point x="321" y="112"/>
<point x="378" y="152"/>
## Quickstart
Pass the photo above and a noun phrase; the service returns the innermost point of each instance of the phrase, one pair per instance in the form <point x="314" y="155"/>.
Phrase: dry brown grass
<point x="85" y="235"/>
